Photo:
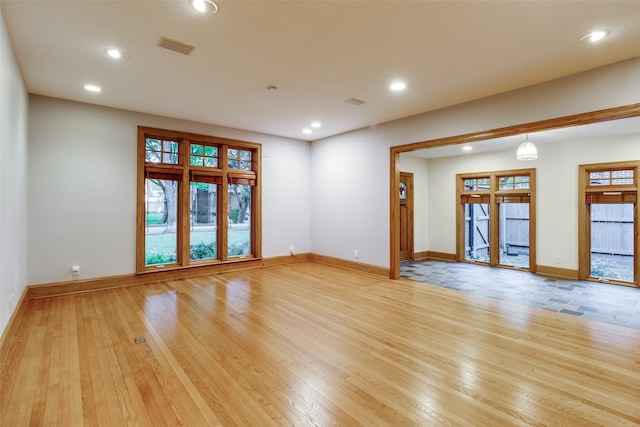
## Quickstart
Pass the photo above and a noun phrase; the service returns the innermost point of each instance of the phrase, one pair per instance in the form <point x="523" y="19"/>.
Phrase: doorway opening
<point x="406" y="216"/>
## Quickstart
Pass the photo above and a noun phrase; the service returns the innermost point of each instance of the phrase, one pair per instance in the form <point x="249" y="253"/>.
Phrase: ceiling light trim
<point x="92" y="88"/>
<point x="116" y="53"/>
<point x="204" y="6"/>
<point x="595" y="36"/>
<point x="398" y="86"/>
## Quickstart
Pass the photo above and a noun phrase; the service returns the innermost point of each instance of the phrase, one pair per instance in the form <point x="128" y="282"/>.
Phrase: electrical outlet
<point x="75" y="269"/>
<point x="291" y="250"/>
<point x="356" y="254"/>
<point x="12" y="301"/>
<point x="557" y="260"/>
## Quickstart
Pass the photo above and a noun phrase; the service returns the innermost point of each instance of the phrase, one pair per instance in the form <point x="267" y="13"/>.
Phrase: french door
<point x="496" y="218"/>
<point x="608" y="221"/>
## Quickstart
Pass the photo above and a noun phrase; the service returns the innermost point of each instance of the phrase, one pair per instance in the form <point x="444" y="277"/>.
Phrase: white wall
<point x="350" y="198"/>
<point x="82" y="188"/>
<point x="13" y="180"/>
<point x="419" y="167"/>
<point x="350" y="179"/>
<point x="557" y="191"/>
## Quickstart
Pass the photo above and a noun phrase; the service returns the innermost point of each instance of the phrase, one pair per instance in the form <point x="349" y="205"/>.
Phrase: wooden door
<point x="406" y="216"/>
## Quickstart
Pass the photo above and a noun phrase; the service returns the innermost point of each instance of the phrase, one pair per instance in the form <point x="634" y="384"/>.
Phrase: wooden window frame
<point x="494" y="197"/>
<point x="613" y="193"/>
<point x="185" y="173"/>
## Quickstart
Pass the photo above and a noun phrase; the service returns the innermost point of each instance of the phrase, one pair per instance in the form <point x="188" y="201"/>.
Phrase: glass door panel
<point x="514" y="234"/>
<point x="476" y="232"/>
<point x="161" y="217"/>
<point x="612" y="241"/>
<point x="239" y="236"/>
<point x="204" y="221"/>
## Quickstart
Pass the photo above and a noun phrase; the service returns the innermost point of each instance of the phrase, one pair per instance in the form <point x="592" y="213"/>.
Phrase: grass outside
<point x="161" y="248"/>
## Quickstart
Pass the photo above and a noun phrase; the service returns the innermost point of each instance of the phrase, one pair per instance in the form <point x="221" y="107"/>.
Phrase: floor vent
<point x="139" y="340"/>
<point x="175" y="46"/>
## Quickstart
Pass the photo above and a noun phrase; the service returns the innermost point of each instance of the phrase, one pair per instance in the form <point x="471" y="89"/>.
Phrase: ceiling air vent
<point x="354" y="101"/>
<point x="175" y="46"/>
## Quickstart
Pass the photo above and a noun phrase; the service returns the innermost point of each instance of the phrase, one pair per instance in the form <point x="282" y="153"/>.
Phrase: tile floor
<point x="618" y="305"/>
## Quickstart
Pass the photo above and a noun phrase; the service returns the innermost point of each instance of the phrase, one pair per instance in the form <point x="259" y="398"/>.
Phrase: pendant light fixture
<point x="527" y="150"/>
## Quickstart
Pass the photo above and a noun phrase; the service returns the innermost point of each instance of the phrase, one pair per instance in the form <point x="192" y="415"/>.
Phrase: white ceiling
<point x="317" y="53"/>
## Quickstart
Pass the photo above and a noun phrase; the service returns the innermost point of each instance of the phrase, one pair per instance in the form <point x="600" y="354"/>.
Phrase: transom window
<point x="160" y="151"/>
<point x="517" y="182"/>
<point x="611" y="177"/>
<point x="204" y="155"/>
<point x="198" y="200"/>
<point x="239" y="159"/>
<point x="477" y="184"/>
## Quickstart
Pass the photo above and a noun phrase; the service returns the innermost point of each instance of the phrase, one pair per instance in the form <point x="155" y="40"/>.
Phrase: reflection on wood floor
<point x="309" y="344"/>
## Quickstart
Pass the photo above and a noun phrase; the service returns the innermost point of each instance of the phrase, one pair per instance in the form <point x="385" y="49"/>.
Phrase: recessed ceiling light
<point x="306" y="131"/>
<point x="467" y="148"/>
<point x="116" y="53"/>
<point x="315" y="125"/>
<point x="397" y="86"/>
<point x="93" y="88"/>
<point x="594" y="36"/>
<point x="204" y="6"/>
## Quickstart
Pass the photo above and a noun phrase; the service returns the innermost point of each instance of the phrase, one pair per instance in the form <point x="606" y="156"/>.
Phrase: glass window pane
<point x="153" y="150"/>
<point x="153" y="144"/>
<point x="624" y="181"/>
<point x="483" y="183"/>
<point x="196" y="149"/>
<point x="161" y="215"/>
<point x="506" y="183"/>
<point x="239" y="211"/>
<point x="211" y="162"/>
<point x="469" y="184"/>
<point x="211" y="151"/>
<point x="203" y="234"/>
<point x="599" y="175"/>
<point x="612" y="247"/>
<point x="196" y="161"/>
<point x="522" y="182"/>
<point x="170" y="152"/>
<point x="476" y="232"/>
<point x="600" y="178"/>
<point x="622" y="174"/>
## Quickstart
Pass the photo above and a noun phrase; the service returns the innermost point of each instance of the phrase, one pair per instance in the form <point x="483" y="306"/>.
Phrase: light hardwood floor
<point x="309" y="344"/>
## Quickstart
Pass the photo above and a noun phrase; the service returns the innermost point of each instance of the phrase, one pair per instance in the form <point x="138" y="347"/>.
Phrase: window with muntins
<point x="198" y="200"/>
<point x="496" y="218"/>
